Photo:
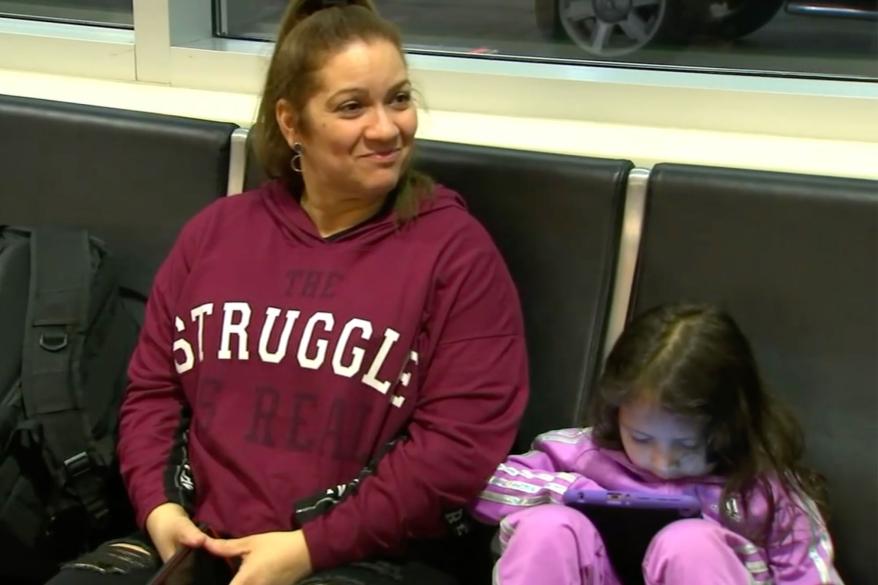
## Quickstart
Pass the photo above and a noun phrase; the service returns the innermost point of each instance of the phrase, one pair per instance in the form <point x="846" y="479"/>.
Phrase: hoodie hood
<point x="296" y="224"/>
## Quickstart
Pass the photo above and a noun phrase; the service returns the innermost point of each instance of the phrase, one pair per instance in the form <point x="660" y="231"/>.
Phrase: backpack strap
<point x="61" y="274"/>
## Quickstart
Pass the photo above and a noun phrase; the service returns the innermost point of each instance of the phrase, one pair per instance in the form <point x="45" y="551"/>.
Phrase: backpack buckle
<point x="53" y="341"/>
<point x="77" y="465"/>
<point x="87" y="487"/>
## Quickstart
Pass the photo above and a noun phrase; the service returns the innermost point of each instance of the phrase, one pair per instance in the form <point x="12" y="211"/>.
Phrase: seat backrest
<point x="132" y="178"/>
<point x="556" y="220"/>
<point x="794" y="259"/>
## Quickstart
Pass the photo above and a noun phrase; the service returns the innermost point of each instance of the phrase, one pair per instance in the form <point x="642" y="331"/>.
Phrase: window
<point x="502" y="72"/>
<point x="112" y="13"/>
<point x="803" y="38"/>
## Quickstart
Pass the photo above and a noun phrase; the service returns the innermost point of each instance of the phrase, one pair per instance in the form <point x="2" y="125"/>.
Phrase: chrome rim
<point x="610" y="28"/>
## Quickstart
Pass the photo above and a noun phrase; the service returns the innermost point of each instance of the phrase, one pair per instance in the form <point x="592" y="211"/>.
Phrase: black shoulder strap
<point x="61" y="274"/>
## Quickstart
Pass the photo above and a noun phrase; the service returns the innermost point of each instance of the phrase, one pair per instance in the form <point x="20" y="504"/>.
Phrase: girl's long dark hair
<point x="695" y="361"/>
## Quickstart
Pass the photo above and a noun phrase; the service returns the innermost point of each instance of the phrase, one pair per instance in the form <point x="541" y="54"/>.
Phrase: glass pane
<point x="113" y="13"/>
<point x="811" y="38"/>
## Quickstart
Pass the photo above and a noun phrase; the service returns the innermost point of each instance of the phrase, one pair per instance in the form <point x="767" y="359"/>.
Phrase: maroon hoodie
<point x="273" y="363"/>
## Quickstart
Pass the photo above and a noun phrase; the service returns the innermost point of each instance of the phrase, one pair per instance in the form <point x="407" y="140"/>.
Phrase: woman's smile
<point x="383" y="156"/>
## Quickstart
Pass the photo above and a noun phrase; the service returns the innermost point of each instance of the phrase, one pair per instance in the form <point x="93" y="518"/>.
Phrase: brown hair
<point x="311" y="32"/>
<point x="695" y="361"/>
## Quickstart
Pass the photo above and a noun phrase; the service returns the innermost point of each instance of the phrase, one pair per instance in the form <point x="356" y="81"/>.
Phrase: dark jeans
<point x="111" y="564"/>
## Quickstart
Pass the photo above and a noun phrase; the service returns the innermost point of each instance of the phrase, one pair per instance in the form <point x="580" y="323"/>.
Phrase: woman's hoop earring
<point x="296" y="161"/>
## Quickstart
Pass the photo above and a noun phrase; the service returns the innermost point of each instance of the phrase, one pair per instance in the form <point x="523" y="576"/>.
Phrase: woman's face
<point x="359" y="126"/>
<point x="667" y="445"/>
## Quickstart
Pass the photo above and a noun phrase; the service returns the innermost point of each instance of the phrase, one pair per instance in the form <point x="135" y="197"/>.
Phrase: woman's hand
<point x="271" y="558"/>
<point x="170" y="528"/>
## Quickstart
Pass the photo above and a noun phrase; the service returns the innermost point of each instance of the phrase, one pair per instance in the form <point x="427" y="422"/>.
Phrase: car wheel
<point x="731" y="19"/>
<point x="615" y="28"/>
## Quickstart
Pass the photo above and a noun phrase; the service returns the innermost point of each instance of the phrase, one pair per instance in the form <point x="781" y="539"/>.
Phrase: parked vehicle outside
<point x="615" y="28"/>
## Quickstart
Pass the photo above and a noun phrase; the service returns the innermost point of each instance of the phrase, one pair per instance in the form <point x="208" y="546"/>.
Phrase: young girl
<point x="679" y="409"/>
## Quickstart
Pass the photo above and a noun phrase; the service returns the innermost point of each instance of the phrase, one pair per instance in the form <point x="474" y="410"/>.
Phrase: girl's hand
<point x="170" y="528"/>
<point x="271" y="558"/>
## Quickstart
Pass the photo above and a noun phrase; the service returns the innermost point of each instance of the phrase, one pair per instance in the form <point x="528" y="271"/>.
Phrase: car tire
<point x="746" y="17"/>
<point x="657" y="22"/>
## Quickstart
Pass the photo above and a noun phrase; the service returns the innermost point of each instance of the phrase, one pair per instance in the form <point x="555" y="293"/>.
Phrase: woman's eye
<point x="641" y="440"/>
<point x="690" y="445"/>
<point x="403" y="98"/>
<point x="350" y="108"/>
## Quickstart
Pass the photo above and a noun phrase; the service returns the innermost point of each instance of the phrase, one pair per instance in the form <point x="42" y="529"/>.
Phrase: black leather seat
<point x="795" y="259"/>
<point x="132" y="178"/>
<point x="556" y="219"/>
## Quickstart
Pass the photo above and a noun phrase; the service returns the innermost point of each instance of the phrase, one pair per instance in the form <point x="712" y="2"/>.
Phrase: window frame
<point x="67" y="49"/>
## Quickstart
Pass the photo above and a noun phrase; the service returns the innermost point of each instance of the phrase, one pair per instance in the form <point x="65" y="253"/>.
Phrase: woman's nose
<point x="382" y="126"/>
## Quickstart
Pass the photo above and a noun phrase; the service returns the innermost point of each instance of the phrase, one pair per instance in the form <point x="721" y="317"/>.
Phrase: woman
<point x="347" y="311"/>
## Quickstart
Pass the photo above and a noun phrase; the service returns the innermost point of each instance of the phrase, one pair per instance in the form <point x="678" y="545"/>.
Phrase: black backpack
<point x="67" y="330"/>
